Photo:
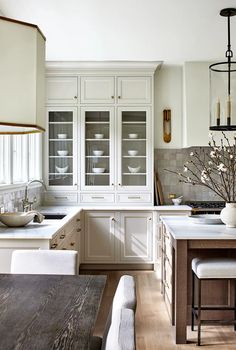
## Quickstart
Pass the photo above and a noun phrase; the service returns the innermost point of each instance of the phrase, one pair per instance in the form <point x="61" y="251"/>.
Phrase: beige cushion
<point x="43" y="262"/>
<point x="214" y="268"/>
<point x="121" y="335"/>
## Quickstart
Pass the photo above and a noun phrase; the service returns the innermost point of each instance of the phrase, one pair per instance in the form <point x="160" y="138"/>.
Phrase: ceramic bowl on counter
<point x="98" y="170"/>
<point x="133" y="136"/>
<point x="98" y="136"/>
<point x="132" y="152"/>
<point x="62" y="136"/>
<point x="134" y="170"/>
<point x="62" y="170"/>
<point x="62" y="153"/>
<point x="17" y="219"/>
<point x="98" y="153"/>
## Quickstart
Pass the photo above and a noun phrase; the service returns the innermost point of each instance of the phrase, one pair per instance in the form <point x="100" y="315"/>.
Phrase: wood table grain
<point x="42" y="312"/>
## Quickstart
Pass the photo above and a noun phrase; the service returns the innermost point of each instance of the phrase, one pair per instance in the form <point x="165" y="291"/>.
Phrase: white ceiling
<point x="172" y="31"/>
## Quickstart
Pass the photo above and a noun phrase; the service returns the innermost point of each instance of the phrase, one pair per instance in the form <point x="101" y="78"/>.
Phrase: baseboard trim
<point x="119" y="267"/>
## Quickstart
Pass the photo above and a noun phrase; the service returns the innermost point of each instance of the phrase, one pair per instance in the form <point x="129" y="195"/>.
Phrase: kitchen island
<point x="183" y="240"/>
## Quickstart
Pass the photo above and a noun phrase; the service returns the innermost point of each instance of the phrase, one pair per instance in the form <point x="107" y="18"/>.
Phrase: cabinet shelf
<point x="134" y="174"/>
<point x="60" y="139"/>
<point x="141" y="123"/>
<point x="60" y="156"/>
<point x="59" y="123"/>
<point x="97" y="140"/>
<point x="97" y="122"/>
<point x="134" y="156"/>
<point x="60" y="174"/>
<point x="97" y="157"/>
<point x="97" y="174"/>
<point x="134" y="140"/>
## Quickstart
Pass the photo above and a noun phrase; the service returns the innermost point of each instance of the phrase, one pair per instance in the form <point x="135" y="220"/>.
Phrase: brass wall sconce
<point x="167" y="125"/>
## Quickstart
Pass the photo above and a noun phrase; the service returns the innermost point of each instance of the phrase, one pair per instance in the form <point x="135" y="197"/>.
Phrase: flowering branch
<point x="214" y="168"/>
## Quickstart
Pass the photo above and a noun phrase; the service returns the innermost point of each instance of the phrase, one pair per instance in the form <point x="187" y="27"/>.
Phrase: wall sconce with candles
<point x="223" y="87"/>
<point x="22" y="82"/>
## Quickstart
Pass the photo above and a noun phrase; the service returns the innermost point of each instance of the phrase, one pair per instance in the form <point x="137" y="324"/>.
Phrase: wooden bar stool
<point x="211" y="269"/>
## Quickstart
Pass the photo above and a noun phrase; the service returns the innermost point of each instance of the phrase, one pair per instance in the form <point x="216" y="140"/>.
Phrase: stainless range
<point x="206" y="207"/>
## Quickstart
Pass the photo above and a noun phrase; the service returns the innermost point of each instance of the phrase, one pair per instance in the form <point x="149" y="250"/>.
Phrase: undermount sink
<point x="17" y="219"/>
<point x="52" y="216"/>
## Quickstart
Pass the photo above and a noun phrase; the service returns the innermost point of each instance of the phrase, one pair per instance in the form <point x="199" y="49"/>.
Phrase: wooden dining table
<point x="42" y="312"/>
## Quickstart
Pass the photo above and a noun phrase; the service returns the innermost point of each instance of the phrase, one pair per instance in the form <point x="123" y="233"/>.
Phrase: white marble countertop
<point x="48" y="228"/>
<point x="181" y="227"/>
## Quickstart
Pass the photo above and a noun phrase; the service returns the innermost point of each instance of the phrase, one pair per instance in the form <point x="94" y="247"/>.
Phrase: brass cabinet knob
<point x="119" y="96"/>
<point x="113" y="219"/>
<point x="62" y="236"/>
<point x="75" y="97"/>
<point x="150" y="219"/>
<point x="112" y="97"/>
<point x="53" y="246"/>
<point x="78" y="230"/>
<point x="78" y="220"/>
<point x="72" y="244"/>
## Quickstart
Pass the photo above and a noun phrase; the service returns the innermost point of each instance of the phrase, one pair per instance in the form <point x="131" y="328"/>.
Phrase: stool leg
<point x="235" y="304"/>
<point x="193" y="288"/>
<point x="199" y="314"/>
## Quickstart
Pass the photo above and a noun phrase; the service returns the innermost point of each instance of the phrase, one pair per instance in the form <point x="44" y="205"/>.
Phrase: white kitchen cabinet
<point x="99" y="237"/>
<point x="134" y="90"/>
<point x="135" y="237"/>
<point x="118" y="237"/>
<point x="97" y="90"/>
<point x="62" y="90"/>
<point x="62" y="148"/>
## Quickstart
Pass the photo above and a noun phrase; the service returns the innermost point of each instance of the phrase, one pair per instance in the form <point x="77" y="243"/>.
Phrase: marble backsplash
<point x="12" y="200"/>
<point x="174" y="159"/>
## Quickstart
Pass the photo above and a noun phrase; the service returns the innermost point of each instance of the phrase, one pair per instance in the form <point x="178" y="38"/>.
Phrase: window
<point x="20" y="158"/>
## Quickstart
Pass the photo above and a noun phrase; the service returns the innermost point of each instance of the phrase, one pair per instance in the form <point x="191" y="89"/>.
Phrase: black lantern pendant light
<point x="223" y="87"/>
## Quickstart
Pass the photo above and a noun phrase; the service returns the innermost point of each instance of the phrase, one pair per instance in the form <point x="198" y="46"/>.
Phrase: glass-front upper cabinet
<point x="62" y="148"/>
<point x="134" y="170"/>
<point x="97" y="150"/>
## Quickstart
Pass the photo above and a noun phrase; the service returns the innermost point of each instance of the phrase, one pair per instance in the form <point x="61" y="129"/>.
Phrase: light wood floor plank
<point x="153" y="329"/>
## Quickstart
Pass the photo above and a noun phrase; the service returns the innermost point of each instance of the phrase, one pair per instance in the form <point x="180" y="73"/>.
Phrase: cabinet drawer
<point x="97" y="198"/>
<point x="61" y="197"/>
<point x="134" y="198"/>
<point x="57" y="241"/>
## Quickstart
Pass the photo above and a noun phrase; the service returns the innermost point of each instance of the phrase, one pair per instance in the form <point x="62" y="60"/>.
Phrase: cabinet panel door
<point x="136" y="237"/>
<point x="97" y="90"/>
<point x="62" y="90"/>
<point x="99" y="237"/>
<point x="133" y="90"/>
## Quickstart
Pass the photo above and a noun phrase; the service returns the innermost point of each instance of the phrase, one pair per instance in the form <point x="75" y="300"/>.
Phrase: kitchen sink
<point x="52" y="216"/>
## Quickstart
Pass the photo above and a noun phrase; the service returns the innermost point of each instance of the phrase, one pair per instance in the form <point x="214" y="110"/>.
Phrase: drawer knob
<point x="62" y="236"/>
<point x="54" y="245"/>
<point x="78" y="230"/>
<point x="119" y="97"/>
<point x="63" y="248"/>
<point x="72" y="244"/>
<point x="75" y="97"/>
<point x="77" y="220"/>
<point x="113" y="219"/>
<point x="112" y="97"/>
<point x="150" y="219"/>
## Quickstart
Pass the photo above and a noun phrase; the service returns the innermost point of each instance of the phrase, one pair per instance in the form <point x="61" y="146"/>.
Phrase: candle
<point x="218" y="112"/>
<point x="228" y="110"/>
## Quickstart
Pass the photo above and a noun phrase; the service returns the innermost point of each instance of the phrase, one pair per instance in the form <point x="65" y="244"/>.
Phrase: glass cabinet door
<point x="133" y="148"/>
<point x="61" y="147"/>
<point x="97" y="150"/>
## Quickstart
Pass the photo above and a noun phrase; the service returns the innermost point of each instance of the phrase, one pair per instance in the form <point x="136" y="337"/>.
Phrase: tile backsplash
<point x="12" y="200"/>
<point x="174" y="159"/>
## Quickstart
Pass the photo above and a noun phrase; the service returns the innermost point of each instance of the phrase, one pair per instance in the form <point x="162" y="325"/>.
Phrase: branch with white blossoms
<point x="214" y="168"/>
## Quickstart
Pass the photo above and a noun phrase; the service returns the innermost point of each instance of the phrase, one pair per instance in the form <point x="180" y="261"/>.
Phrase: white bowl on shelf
<point x="132" y="152"/>
<point x="62" y="170"/>
<point x="98" y="153"/>
<point x="98" y="170"/>
<point x="133" y="136"/>
<point x="134" y="170"/>
<point x="62" y="136"/>
<point x="62" y="153"/>
<point x="177" y="201"/>
<point x="98" y="136"/>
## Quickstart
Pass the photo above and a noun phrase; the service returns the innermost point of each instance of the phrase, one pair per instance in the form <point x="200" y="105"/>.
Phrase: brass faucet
<point x="27" y="205"/>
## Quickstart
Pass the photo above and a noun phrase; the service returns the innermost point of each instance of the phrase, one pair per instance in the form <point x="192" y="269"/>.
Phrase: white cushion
<point x="52" y="262"/>
<point x="121" y="335"/>
<point x="214" y="268"/>
<point x="125" y="297"/>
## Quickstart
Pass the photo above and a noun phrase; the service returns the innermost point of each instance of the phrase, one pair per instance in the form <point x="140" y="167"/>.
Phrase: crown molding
<point x="76" y="67"/>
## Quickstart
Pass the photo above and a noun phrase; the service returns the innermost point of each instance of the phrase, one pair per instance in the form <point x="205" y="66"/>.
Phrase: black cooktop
<point x="206" y="204"/>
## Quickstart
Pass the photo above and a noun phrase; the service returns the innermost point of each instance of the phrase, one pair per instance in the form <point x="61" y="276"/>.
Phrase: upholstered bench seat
<point x="214" y="268"/>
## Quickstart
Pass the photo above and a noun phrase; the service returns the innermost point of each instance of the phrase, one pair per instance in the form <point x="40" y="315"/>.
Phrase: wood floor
<point x="153" y="329"/>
